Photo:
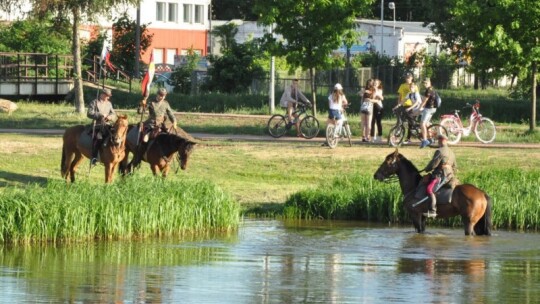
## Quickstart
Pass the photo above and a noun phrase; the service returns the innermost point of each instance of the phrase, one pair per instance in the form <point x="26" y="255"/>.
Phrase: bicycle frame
<point x="474" y="118"/>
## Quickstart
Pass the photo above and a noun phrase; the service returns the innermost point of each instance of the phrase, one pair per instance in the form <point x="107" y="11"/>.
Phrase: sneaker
<point x="406" y="141"/>
<point x="431" y="214"/>
<point x="424" y="144"/>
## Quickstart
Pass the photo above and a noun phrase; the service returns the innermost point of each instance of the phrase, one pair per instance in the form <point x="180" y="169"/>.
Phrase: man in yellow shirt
<point x="404" y="88"/>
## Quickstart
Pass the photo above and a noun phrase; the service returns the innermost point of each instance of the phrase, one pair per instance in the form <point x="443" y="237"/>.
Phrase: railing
<point x="97" y="73"/>
<point x="27" y="69"/>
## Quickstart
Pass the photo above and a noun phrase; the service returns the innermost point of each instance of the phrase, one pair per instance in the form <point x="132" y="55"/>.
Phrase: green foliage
<point x="123" y="53"/>
<point x="50" y="35"/>
<point x="131" y="208"/>
<point x="181" y="76"/>
<point x="514" y="195"/>
<point x="233" y="9"/>
<point x="234" y="71"/>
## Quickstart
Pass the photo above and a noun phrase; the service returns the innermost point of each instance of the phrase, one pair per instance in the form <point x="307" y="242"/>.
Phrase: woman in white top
<point x="336" y="102"/>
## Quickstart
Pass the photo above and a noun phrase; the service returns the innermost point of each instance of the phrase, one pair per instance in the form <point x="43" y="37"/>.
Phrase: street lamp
<point x="392" y="6"/>
<point x="382" y="25"/>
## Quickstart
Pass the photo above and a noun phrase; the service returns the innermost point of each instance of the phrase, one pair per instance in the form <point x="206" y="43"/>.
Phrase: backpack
<point x="438" y="100"/>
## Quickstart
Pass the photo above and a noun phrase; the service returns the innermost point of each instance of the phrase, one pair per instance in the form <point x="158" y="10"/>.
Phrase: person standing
<point x="376" y="120"/>
<point x="368" y="97"/>
<point x="429" y="106"/>
<point x="442" y="167"/>
<point x="290" y="99"/>
<point x="101" y="111"/>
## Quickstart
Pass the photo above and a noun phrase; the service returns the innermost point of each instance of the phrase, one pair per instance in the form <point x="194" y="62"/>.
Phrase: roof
<point x="407" y="26"/>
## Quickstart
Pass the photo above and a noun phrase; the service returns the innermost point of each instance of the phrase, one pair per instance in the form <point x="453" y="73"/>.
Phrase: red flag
<point x="106" y="56"/>
<point x="147" y="80"/>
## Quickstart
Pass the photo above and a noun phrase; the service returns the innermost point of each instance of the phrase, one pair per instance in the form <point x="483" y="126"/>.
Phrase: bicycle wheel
<point x="349" y="134"/>
<point x="454" y="131"/>
<point x="433" y="131"/>
<point x="309" y="126"/>
<point x="277" y="125"/>
<point x="485" y="130"/>
<point x="396" y="135"/>
<point x="331" y="138"/>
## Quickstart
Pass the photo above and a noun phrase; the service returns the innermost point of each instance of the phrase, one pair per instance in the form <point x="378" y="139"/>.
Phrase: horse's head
<point x="185" y="147"/>
<point x="119" y="130"/>
<point x="389" y="166"/>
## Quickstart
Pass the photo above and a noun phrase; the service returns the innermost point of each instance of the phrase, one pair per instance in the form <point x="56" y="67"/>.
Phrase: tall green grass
<point x="514" y="194"/>
<point x="135" y="207"/>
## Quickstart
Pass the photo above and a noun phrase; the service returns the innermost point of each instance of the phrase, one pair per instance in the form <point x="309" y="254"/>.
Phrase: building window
<point x="187" y="13"/>
<point x="199" y="13"/>
<point x="173" y="12"/>
<point x="160" y="11"/>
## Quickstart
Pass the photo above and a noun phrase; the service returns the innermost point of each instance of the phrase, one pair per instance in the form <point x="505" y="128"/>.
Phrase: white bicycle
<point x="335" y="133"/>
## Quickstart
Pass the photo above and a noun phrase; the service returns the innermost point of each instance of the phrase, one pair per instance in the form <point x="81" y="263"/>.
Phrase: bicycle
<point x="279" y="124"/>
<point x="333" y="134"/>
<point x="483" y="127"/>
<point x="397" y="132"/>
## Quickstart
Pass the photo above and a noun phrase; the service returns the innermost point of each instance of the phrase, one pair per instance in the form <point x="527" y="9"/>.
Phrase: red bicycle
<point x="483" y="127"/>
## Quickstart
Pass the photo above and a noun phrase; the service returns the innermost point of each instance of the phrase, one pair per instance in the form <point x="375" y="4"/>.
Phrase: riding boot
<point x="433" y="211"/>
<point x="139" y="155"/>
<point x="95" y="149"/>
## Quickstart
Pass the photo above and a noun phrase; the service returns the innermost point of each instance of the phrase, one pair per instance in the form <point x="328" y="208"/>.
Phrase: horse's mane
<point x="409" y="166"/>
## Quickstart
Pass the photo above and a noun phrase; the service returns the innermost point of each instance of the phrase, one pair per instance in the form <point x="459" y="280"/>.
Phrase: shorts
<point x="427" y="113"/>
<point x="334" y="114"/>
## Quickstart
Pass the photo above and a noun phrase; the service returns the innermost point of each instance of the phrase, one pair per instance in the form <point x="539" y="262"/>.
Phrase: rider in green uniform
<point x="442" y="167"/>
<point x="101" y="111"/>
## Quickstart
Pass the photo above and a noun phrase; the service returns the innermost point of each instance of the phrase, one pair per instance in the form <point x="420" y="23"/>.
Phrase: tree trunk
<point x="533" y="101"/>
<point x="77" y="62"/>
<point x="313" y="92"/>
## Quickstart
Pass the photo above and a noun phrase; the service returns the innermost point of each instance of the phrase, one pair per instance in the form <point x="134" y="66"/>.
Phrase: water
<point x="269" y="261"/>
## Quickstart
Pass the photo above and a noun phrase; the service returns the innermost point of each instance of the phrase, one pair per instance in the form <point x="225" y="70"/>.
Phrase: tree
<point x="181" y="76"/>
<point x="234" y="71"/>
<point x="124" y="48"/>
<point x="233" y="9"/>
<point x="77" y="10"/>
<point x="502" y="36"/>
<point x="311" y="30"/>
<point x="36" y="36"/>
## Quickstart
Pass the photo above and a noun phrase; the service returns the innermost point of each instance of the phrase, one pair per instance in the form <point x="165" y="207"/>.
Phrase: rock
<point x="7" y="106"/>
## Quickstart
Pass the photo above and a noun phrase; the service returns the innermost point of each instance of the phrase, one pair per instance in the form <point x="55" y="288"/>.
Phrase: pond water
<point x="271" y="261"/>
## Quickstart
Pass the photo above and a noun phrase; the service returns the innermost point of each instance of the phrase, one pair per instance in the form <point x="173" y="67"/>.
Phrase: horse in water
<point x="78" y="143"/>
<point x="466" y="200"/>
<point x="160" y="151"/>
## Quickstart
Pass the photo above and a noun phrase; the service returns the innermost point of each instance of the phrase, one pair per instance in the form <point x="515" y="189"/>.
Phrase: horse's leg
<point x="73" y="167"/>
<point x="468" y="225"/>
<point x="108" y="172"/>
<point x="165" y="170"/>
<point x="155" y="169"/>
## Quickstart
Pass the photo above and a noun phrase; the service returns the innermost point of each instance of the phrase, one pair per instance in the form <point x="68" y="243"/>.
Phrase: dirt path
<point x="318" y="140"/>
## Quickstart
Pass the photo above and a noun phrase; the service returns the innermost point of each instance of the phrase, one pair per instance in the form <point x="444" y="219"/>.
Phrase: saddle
<point x="443" y="193"/>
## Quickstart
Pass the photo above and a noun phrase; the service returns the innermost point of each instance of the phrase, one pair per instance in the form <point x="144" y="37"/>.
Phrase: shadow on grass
<point x="10" y="178"/>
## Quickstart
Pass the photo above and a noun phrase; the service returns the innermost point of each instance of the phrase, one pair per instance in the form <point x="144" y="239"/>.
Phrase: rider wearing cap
<point x="336" y="102"/>
<point x="159" y="111"/>
<point x="442" y="167"/>
<point x="102" y="112"/>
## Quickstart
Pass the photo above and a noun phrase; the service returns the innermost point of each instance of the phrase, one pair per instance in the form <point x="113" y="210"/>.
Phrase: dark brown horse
<point x="467" y="201"/>
<point x="160" y="152"/>
<point x="78" y="143"/>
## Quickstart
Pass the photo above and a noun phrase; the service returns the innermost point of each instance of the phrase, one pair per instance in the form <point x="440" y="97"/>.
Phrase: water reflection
<point x="281" y="262"/>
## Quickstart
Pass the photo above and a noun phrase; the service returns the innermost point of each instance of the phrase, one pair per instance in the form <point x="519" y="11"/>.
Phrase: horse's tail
<point x="483" y="227"/>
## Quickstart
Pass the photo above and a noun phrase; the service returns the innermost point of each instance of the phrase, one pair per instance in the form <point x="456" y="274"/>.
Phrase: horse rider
<point x="102" y="113"/>
<point x="159" y="111"/>
<point x="442" y="167"/>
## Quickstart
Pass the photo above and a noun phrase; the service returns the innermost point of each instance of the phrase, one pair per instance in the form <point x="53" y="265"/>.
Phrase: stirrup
<point x="430" y="213"/>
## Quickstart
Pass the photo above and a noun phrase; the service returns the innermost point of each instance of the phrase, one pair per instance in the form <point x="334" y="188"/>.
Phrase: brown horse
<point x="78" y="143"/>
<point x="471" y="203"/>
<point x="160" y="152"/>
